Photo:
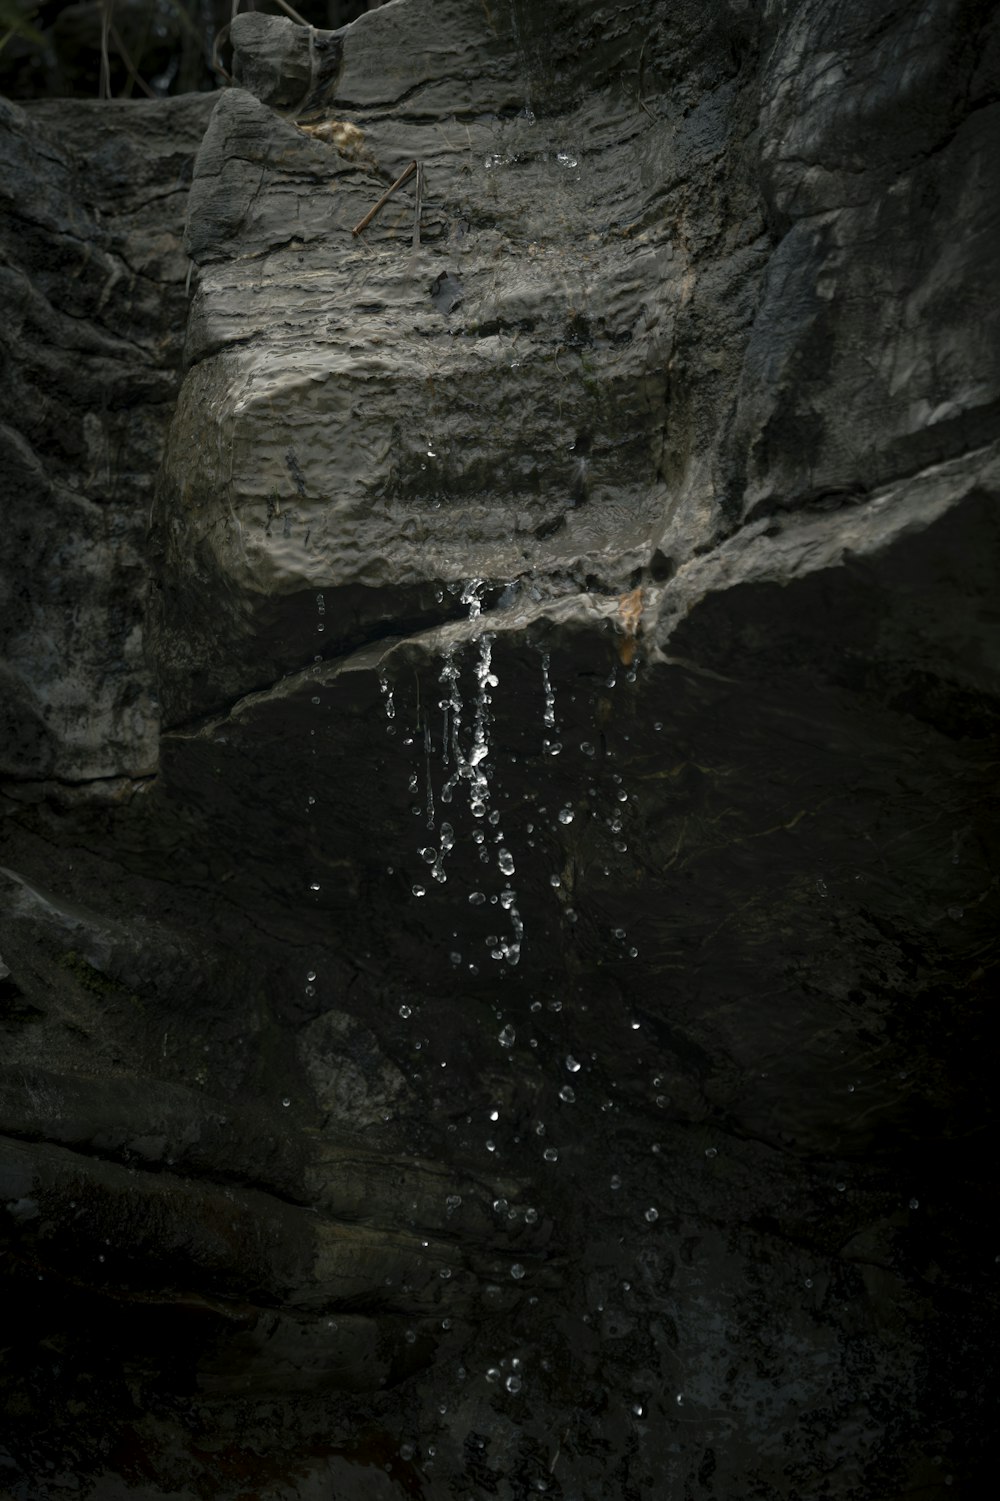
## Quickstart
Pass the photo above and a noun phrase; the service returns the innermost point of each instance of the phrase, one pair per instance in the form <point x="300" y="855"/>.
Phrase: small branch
<point x="403" y="177"/>
<point x="104" y="85"/>
<point x="293" y="13"/>
<point x="419" y="204"/>
<point x="130" y="67"/>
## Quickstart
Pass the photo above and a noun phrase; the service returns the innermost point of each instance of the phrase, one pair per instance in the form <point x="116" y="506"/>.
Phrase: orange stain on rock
<point x="630" y="615"/>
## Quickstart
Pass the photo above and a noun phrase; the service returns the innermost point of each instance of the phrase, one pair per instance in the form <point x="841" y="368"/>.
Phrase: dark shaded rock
<point x="566" y="865"/>
<point x="95" y="308"/>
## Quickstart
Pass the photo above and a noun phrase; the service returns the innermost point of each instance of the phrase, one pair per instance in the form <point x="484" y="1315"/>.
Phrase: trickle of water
<point x="387" y="698"/>
<point x="472" y="595"/>
<point x="566" y="159"/>
<point x="430" y="783"/>
<point x="549" y="714"/>
<point x="505" y="861"/>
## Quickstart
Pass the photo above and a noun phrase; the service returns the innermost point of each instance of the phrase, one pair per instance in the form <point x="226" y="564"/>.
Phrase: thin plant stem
<point x="130" y="67"/>
<point x="104" y="85"/>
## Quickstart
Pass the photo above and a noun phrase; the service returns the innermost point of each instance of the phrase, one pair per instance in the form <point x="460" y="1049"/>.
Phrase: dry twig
<point x="403" y="177"/>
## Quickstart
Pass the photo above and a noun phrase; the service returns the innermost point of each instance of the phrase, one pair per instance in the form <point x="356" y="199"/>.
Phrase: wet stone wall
<point x="498" y="891"/>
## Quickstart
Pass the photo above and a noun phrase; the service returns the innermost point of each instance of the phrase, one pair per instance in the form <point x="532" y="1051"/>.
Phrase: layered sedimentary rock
<point x="542" y="990"/>
<point x="94" y="291"/>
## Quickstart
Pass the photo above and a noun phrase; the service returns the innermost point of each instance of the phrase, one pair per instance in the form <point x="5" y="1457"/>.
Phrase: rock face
<point x="541" y="995"/>
<point x="94" y="299"/>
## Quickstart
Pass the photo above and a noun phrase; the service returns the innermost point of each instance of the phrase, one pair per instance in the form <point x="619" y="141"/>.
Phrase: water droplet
<point x="618" y="933"/>
<point x="313" y="885"/>
<point x="507" y="1036"/>
<point x="616" y="1181"/>
<point x="517" y="1271"/>
<point x="418" y="890"/>
<point x="587" y="748"/>
<point x="405" y="1012"/>
<point x="568" y="1094"/>
<point x="572" y="1064"/>
<point x="652" y="1215"/>
<point x="531" y="1216"/>
<point x="286" y="1102"/>
<point x="477" y="898"/>
<point x="565" y="815"/>
<point x="711" y="1151"/>
<point x="551" y="1154"/>
<point x="445" y="1273"/>
<point x="505" y="862"/>
<point x="310" y="974"/>
<point x="914" y="1203"/>
<point x="555" y="881"/>
<point x="566" y="159"/>
<point x="513" y="1383"/>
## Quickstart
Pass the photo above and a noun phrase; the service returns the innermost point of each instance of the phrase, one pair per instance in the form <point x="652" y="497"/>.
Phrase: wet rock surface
<point x="520" y="1024"/>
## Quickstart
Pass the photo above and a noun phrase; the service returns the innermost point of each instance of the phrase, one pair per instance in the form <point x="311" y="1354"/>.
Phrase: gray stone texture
<point x="523" y="1020"/>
